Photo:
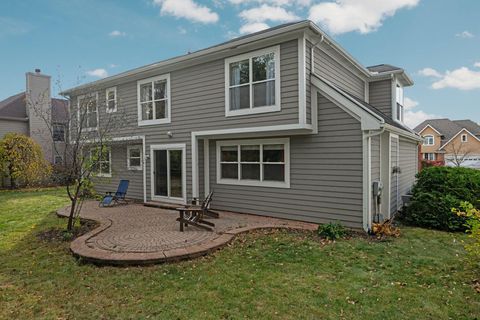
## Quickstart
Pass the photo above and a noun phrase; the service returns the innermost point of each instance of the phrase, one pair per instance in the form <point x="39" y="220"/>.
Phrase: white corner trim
<point x="429" y="126"/>
<point x="144" y="163"/>
<point x="259" y="183"/>
<point x="302" y="87"/>
<point x="366" y="182"/>
<point x="206" y="166"/>
<point x="168" y="101"/>
<point x="249" y="55"/>
<point x="195" y="177"/>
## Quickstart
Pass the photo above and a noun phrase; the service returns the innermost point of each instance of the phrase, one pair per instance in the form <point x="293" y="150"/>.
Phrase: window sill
<point x="256" y="110"/>
<point x="135" y="168"/>
<point x="153" y="122"/>
<point x="255" y="183"/>
<point x="110" y="111"/>
<point x="90" y="129"/>
<point x="103" y="175"/>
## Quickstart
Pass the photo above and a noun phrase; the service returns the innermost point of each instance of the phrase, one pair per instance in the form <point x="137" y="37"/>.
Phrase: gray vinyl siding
<point x="330" y="69"/>
<point x="325" y="179"/>
<point x="375" y="156"/>
<point x="408" y="165"/>
<point x="381" y="96"/>
<point x="7" y="126"/>
<point x="198" y="103"/>
<point x="120" y="171"/>
<point x="394" y="176"/>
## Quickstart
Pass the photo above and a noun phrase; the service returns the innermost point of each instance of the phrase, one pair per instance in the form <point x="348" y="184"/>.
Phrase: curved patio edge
<point x="83" y="251"/>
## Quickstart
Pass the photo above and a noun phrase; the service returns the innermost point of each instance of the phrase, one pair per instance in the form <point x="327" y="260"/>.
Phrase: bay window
<point x="154" y="100"/>
<point x="263" y="162"/>
<point x="252" y="82"/>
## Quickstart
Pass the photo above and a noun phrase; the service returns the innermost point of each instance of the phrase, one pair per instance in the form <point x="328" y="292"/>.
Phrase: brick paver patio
<point x="136" y="234"/>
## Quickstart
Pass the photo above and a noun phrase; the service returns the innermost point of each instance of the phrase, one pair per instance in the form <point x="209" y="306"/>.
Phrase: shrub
<point x="472" y="215"/>
<point x="437" y="191"/>
<point x="332" y="231"/>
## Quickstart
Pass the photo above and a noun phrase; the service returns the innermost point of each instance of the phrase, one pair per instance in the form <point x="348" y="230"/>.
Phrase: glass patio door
<point x="168" y="183"/>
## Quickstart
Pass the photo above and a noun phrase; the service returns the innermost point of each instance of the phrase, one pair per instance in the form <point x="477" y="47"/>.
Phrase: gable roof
<point x="14" y="107"/>
<point x="449" y="129"/>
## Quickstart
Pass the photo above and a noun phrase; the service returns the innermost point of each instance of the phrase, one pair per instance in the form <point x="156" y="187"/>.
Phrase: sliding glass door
<point x="168" y="176"/>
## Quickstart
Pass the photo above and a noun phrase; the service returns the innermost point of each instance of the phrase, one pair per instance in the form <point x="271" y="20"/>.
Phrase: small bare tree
<point x="459" y="151"/>
<point x="89" y="134"/>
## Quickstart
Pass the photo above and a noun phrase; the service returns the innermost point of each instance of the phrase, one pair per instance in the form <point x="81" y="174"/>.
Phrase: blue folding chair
<point x="111" y="199"/>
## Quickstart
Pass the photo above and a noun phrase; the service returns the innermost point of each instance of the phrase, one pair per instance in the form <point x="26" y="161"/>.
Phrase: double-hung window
<point x="252" y="82"/>
<point x="134" y="157"/>
<point x="429" y="140"/>
<point x="58" y="132"/>
<point x="111" y="99"/>
<point x="154" y="100"/>
<point x="264" y="162"/>
<point x="88" y="111"/>
<point x="429" y="156"/>
<point x="399" y="102"/>
<point x="101" y="161"/>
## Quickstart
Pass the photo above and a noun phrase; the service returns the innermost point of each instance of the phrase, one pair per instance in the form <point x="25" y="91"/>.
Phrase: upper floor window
<point x="88" y="111"/>
<point x="154" y="100"/>
<point x="252" y="82"/>
<point x="429" y="140"/>
<point x="464" y="138"/>
<point x="111" y="99"/>
<point x="263" y="162"/>
<point x="58" y="132"/>
<point x="399" y="114"/>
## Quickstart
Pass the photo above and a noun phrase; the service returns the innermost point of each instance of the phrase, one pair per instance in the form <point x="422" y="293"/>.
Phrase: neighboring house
<point x="25" y="113"/>
<point x="453" y="143"/>
<point x="283" y="123"/>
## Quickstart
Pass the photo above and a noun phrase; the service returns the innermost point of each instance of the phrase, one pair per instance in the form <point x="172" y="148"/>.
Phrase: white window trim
<point x="107" y="110"/>
<point x="425" y="140"/>
<point x="78" y="112"/>
<point x="129" y="167"/>
<point x="277" y="107"/>
<point x="101" y="174"/>
<point x="258" y="183"/>
<point x="168" y="100"/>
<point x="425" y="157"/>
<point x="395" y="82"/>
<point x="466" y="138"/>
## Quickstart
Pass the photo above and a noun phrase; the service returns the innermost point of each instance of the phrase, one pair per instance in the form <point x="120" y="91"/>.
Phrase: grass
<point x="281" y="275"/>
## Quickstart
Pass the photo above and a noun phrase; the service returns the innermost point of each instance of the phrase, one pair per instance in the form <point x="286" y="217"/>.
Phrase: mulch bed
<point x="62" y="235"/>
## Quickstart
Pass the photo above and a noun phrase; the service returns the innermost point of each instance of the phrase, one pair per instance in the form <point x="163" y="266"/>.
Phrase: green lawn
<point x="282" y="275"/>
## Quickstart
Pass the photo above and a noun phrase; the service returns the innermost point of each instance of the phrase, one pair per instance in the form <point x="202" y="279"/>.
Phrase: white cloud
<point x="465" y="34"/>
<point x="182" y="30"/>
<point x="187" y="9"/>
<point x="462" y="78"/>
<point x="429" y="72"/>
<point x="409" y="103"/>
<point x="364" y="16"/>
<point x="414" y="118"/>
<point x="267" y="13"/>
<point x="477" y="64"/>
<point x="99" y="73"/>
<point x="117" y="33"/>
<point x="302" y="3"/>
<point x="113" y="65"/>
<point x="253" y="27"/>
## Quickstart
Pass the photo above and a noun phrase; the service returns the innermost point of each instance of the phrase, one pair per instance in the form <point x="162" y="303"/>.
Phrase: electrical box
<point x="377" y="188"/>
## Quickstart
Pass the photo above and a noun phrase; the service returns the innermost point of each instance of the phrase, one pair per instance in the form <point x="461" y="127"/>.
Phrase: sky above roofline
<point x="83" y="40"/>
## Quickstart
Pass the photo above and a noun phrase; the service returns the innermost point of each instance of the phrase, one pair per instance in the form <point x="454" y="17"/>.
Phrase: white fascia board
<point x="369" y="120"/>
<point x="429" y="126"/>
<point x="403" y="133"/>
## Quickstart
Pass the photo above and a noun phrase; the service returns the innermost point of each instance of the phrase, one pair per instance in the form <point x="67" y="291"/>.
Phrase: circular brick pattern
<point x="132" y="234"/>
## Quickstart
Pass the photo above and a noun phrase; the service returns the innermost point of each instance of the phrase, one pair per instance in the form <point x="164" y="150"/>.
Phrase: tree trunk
<point x="13" y="185"/>
<point x="72" y="214"/>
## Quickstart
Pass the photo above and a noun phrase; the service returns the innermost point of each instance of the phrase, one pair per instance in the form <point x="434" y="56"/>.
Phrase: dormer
<point x="386" y="90"/>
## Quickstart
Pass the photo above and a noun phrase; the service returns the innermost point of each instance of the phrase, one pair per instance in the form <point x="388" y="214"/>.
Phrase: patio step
<point x="162" y="205"/>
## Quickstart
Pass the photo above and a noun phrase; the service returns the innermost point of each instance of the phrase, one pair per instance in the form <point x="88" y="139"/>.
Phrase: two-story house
<point x="282" y="123"/>
<point x="29" y="113"/>
<point x="450" y="142"/>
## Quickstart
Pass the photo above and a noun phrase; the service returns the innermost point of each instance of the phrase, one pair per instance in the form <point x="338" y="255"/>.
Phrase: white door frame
<point x="175" y="146"/>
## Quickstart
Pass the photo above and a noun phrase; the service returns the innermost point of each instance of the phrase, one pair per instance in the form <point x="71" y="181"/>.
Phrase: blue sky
<point x="77" y="41"/>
